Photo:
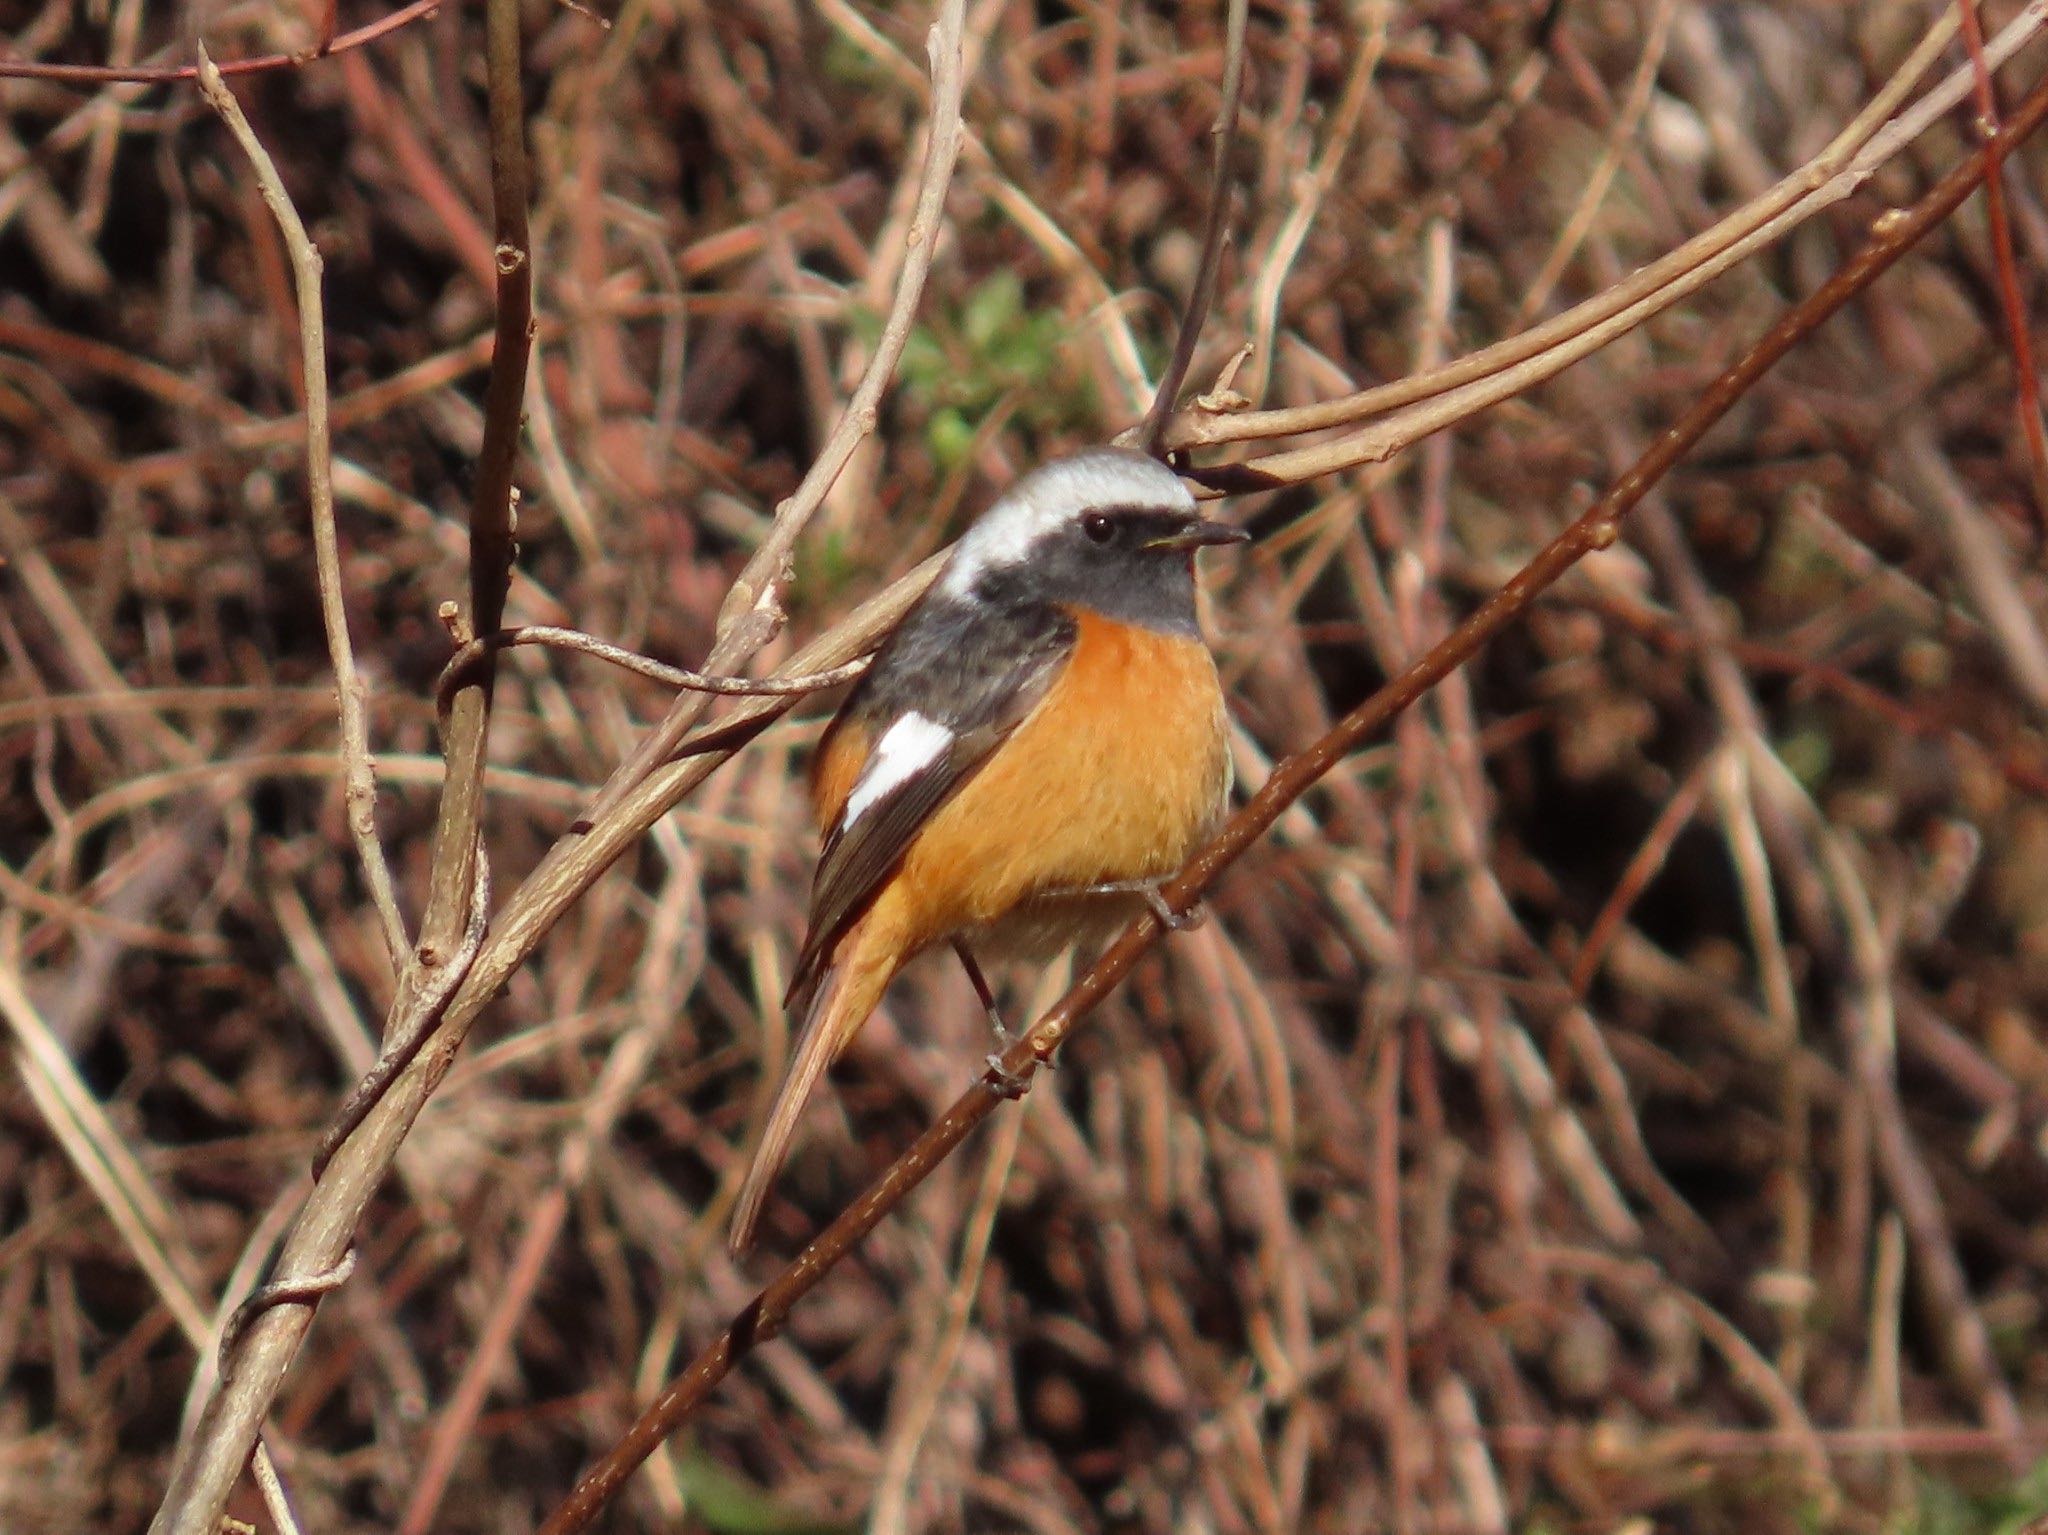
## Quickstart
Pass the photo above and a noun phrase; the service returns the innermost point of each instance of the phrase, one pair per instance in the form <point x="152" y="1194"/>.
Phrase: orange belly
<point x="1061" y="805"/>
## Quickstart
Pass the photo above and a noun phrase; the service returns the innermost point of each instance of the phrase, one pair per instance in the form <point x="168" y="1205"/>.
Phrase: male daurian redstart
<point x="1040" y="743"/>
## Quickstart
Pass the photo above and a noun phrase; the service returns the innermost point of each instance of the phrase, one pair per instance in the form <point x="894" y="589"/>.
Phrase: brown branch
<point x="680" y="678"/>
<point x="1891" y="236"/>
<point x="752" y="611"/>
<point x="431" y="1017"/>
<point x="120" y="74"/>
<point x="1203" y="294"/>
<point x="2019" y="334"/>
<point x="212" y="1458"/>
<point x="1444" y="396"/>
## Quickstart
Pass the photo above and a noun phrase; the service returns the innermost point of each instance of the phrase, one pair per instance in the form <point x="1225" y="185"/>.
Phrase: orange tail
<point x="853" y="983"/>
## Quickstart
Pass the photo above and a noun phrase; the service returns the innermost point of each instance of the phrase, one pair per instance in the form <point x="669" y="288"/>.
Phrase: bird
<point x="1039" y="744"/>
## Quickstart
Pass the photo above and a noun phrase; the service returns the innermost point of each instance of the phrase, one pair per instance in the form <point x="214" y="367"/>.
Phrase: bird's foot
<point x="1148" y="890"/>
<point x="1002" y="1081"/>
<point x="1174" y="921"/>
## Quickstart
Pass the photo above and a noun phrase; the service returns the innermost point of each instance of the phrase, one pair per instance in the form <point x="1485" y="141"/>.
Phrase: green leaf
<point x="992" y="309"/>
<point x="950" y="436"/>
<point x="729" y="1504"/>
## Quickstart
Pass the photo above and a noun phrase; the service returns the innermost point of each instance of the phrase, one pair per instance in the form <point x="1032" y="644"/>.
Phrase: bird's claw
<point x="1002" y="1081"/>
<point x="1174" y="921"/>
<point x="1147" y="890"/>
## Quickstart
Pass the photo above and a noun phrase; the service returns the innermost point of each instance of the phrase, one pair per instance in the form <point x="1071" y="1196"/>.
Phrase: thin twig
<point x="283" y="1292"/>
<point x="1829" y="177"/>
<point x="359" y="772"/>
<point x="129" y="74"/>
<point x="763" y="1318"/>
<point x="276" y="1502"/>
<point x="1832" y="176"/>
<point x="1642" y="868"/>
<point x="402" y="1040"/>
<point x="211" y="1459"/>
<point x="631" y="660"/>
<point x="2019" y="333"/>
<point x="1311" y="191"/>
<point x="1223" y="134"/>
<point x="641" y="791"/>
<point x="1537" y="298"/>
<point x="752" y="611"/>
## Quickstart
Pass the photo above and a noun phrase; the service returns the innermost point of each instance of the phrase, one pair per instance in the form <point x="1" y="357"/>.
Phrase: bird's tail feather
<point x="845" y="995"/>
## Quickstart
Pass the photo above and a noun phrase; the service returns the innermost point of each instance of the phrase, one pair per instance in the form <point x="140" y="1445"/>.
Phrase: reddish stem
<point x="2028" y="395"/>
<point x="133" y="74"/>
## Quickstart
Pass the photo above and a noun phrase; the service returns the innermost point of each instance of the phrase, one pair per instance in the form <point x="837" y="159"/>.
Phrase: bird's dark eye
<point x="1100" y="529"/>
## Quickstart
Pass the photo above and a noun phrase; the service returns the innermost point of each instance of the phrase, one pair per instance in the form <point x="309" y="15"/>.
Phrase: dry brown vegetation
<point x="1617" y="1095"/>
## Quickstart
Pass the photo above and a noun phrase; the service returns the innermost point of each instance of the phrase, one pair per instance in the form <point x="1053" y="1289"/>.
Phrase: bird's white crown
<point x="1050" y="497"/>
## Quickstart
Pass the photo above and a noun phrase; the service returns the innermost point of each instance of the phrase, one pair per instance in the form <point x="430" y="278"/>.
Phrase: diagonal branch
<point x="752" y="612"/>
<point x="452" y="980"/>
<point x="142" y="74"/>
<point x="210" y="1460"/>
<point x="1428" y="402"/>
<point x="1891" y="237"/>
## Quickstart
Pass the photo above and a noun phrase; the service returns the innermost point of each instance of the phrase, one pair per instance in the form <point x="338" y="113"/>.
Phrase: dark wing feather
<point x="979" y="674"/>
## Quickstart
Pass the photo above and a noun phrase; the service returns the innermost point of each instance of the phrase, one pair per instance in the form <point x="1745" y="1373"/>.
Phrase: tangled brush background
<point x="1618" y="1096"/>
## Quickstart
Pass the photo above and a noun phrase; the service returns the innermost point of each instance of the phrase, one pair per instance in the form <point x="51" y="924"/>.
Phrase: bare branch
<point x="1507" y="367"/>
<point x="119" y="74"/>
<point x="422" y="1041"/>
<point x="211" y="1459"/>
<point x="644" y="666"/>
<point x="752" y="611"/>
<point x="1203" y="294"/>
<point x="359" y="772"/>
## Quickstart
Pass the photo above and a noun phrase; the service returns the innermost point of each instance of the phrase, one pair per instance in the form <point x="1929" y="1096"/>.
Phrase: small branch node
<point x="297" y="1291"/>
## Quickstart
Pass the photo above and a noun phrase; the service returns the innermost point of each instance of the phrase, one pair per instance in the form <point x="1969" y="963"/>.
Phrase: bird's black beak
<point x="1200" y="533"/>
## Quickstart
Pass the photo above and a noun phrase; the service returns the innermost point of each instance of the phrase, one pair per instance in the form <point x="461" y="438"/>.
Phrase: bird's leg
<point x="1003" y="1081"/>
<point x="981" y="990"/>
<point x="1173" y="921"/>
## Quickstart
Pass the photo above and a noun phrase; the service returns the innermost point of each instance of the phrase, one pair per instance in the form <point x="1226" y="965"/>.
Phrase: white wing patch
<point x="906" y="749"/>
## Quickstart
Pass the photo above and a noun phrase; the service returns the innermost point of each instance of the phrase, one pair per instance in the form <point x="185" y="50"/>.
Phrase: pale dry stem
<point x="640" y="792"/>
<point x="359" y="773"/>
<point x="1508" y="367"/>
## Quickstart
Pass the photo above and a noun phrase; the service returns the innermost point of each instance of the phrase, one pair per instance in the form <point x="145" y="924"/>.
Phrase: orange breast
<point x="1118" y="775"/>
